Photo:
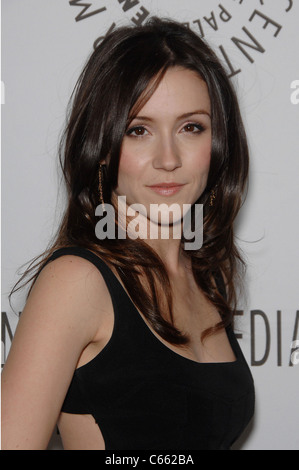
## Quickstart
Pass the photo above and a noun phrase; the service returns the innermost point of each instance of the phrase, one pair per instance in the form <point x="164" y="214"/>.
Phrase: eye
<point x="137" y="131"/>
<point x="193" y="128"/>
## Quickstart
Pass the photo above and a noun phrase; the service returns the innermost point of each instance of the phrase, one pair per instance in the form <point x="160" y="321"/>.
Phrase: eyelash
<point x="129" y="132"/>
<point x="198" y="126"/>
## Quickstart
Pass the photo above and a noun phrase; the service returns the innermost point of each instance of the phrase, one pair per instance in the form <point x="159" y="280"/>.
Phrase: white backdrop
<point x="44" y="45"/>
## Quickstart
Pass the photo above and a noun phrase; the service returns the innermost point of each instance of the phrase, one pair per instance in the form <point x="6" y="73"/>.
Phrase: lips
<point x="166" y="185"/>
<point x="166" y="189"/>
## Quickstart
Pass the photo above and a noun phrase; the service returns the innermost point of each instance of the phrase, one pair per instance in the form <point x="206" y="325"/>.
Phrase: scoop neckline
<point x="159" y="343"/>
<point x="162" y="345"/>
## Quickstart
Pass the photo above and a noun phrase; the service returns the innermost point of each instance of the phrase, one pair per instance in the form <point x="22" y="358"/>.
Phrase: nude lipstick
<point x="166" y="189"/>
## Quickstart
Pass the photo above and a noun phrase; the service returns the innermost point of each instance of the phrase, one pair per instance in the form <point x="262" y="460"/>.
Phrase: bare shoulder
<point x="64" y="313"/>
<point x="74" y="291"/>
<point x="71" y="269"/>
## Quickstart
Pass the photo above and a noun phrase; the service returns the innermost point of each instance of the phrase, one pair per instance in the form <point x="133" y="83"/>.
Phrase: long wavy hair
<point x="119" y="77"/>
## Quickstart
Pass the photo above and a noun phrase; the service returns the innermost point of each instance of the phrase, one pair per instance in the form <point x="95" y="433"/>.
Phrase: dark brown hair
<point x="120" y="75"/>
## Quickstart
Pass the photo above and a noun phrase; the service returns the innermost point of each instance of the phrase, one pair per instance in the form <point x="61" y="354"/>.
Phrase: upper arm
<point x="61" y="317"/>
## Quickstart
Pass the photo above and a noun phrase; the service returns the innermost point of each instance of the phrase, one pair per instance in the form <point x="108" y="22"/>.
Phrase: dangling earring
<point x="212" y="197"/>
<point x="101" y="186"/>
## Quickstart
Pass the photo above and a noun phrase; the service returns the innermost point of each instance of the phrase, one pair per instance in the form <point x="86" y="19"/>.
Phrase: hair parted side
<point x="117" y="80"/>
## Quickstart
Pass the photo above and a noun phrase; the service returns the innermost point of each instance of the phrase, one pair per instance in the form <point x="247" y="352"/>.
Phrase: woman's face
<point x="168" y="141"/>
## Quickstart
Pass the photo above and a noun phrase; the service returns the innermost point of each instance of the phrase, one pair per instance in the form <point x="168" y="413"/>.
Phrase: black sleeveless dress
<point x="145" y="396"/>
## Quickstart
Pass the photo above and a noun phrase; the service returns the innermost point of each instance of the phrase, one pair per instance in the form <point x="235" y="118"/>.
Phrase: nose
<point x="167" y="155"/>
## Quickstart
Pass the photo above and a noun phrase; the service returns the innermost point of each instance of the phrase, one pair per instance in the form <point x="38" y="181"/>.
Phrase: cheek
<point x="127" y="164"/>
<point x="130" y="171"/>
<point x="202" y="157"/>
<point x="134" y="158"/>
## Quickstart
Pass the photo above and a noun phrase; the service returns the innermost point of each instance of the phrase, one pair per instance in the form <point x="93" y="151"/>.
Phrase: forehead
<point x="180" y="91"/>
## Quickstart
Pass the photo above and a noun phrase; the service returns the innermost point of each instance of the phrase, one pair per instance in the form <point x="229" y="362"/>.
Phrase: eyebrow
<point x="182" y="116"/>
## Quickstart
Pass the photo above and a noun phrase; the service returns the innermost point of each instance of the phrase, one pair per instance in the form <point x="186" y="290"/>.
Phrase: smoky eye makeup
<point x="139" y="128"/>
<point x="136" y="131"/>
<point x="193" y="128"/>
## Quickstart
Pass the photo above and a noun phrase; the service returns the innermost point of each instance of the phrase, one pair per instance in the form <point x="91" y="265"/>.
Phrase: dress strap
<point x="111" y="280"/>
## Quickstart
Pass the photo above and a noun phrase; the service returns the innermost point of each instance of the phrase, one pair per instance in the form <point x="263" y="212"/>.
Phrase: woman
<point x="127" y="341"/>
